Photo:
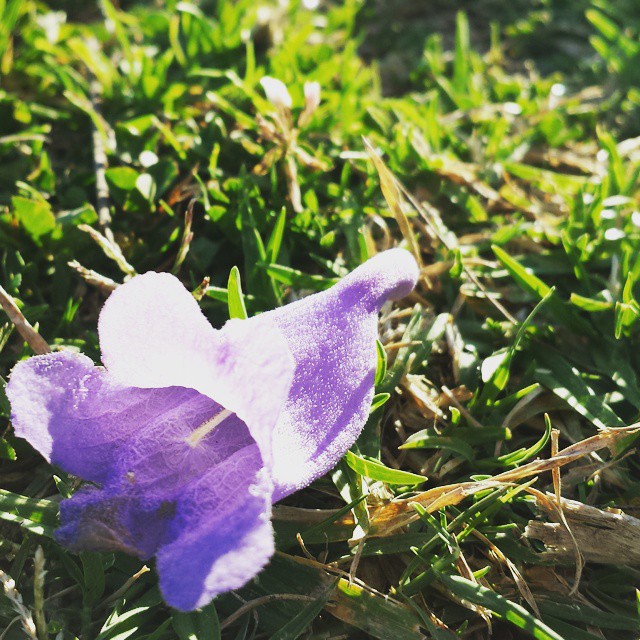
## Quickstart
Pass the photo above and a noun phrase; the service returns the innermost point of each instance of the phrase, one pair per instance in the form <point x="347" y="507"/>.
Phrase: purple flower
<point x="190" y="433"/>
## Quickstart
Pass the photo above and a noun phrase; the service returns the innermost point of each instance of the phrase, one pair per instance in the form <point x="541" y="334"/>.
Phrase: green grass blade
<point x="235" y="298"/>
<point x="381" y="363"/>
<point x="510" y="611"/>
<point x="300" y="623"/>
<point x="378" y="471"/>
<point x="275" y="240"/>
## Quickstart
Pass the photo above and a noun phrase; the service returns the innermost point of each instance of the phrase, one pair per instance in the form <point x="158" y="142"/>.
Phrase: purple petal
<point x="203" y="508"/>
<point x="97" y="520"/>
<point x="153" y="335"/>
<point x="332" y="338"/>
<point x="223" y="536"/>
<point x="160" y="464"/>
<point x="76" y="416"/>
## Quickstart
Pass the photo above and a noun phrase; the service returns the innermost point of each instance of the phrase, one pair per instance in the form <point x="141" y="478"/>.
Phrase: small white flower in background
<point x="148" y="158"/>
<point x="512" y="108"/>
<point x="276" y="92"/>
<point x="311" y="96"/>
<point x="311" y="5"/>
<point x="614" y="234"/>
<point x="311" y="102"/>
<point x="280" y="128"/>
<point x="558" y="91"/>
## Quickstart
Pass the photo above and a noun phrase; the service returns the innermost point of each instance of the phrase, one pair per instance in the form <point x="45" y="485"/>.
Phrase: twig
<point x="604" y="536"/>
<point x="356" y="559"/>
<point x="187" y="237"/>
<point x="94" y="278"/>
<point x="329" y="568"/>
<point x="30" y="335"/>
<point x="520" y="582"/>
<point x="401" y="345"/>
<point x="303" y="546"/>
<point x="110" y="248"/>
<point x="38" y="595"/>
<point x="100" y="166"/>
<point x="63" y="592"/>
<point x="293" y="185"/>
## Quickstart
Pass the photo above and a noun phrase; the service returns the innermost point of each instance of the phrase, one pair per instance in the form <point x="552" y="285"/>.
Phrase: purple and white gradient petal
<point x="332" y="336"/>
<point x="191" y="433"/>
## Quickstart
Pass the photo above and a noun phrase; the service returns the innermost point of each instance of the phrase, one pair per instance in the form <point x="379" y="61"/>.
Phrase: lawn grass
<point x="505" y="140"/>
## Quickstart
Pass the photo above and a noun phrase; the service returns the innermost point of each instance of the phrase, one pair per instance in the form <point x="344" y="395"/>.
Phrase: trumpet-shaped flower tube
<point x="189" y="434"/>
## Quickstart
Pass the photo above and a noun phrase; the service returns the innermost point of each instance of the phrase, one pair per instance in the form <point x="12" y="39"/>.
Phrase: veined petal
<point x="211" y="536"/>
<point x="76" y="415"/>
<point x="153" y="335"/>
<point x="201" y="509"/>
<point x="160" y="463"/>
<point x="223" y="536"/>
<point x="332" y="338"/>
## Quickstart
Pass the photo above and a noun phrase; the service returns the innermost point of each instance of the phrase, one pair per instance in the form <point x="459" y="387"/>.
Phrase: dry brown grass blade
<point x="465" y="571"/>
<point x="518" y="578"/>
<point x="387" y="518"/>
<point x="309" y="517"/>
<point x="394" y="192"/>
<point x="344" y="575"/>
<point x="124" y="588"/>
<point x="109" y="248"/>
<point x="557" y="488"/>
<point x="95" y="279"/>
<point x="187" y="237"/>
<point x="397" y="513"/>
<point x="393" y="196"/>
<point x="434" y="222"/>
<point x="37" y="343"/>
<point x="258" y="602"/>
<point x="578" y="450"/>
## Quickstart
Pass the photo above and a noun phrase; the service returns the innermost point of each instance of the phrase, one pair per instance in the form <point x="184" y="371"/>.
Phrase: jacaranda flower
<point x="189" y="434"/>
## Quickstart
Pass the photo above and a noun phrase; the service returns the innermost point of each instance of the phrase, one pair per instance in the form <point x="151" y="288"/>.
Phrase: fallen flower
<point x="190" y="433"/>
